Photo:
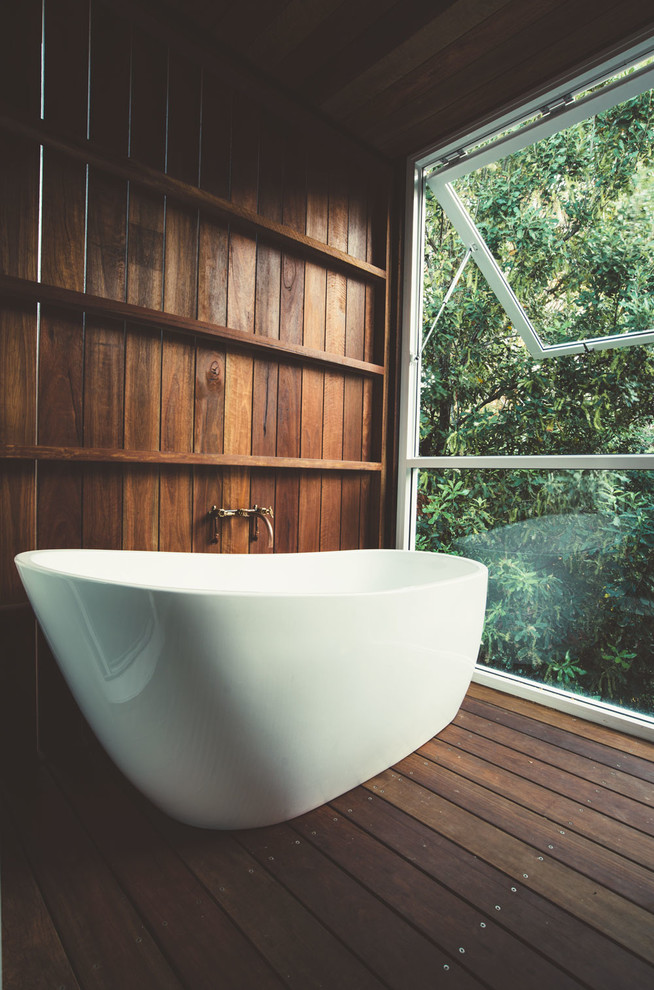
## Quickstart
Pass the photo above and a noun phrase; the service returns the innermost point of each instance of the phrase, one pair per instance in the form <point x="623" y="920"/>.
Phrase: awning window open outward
<point x="549" y="222"/>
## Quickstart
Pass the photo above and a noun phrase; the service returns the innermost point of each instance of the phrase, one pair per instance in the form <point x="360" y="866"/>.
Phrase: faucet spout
<point x="267" y="515"/>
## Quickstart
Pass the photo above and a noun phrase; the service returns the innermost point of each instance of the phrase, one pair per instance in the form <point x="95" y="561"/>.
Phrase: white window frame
<point x="409" y="461"/>
<point x="553" y="119"/>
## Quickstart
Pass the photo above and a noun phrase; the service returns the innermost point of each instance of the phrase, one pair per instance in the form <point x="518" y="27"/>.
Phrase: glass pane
<point x="569" y="221"/>
<point x="482" y="392"/>
<point x="571" y="576"/>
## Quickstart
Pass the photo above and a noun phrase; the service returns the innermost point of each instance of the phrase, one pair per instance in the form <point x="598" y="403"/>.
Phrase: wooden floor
<point x="514" y="850"/>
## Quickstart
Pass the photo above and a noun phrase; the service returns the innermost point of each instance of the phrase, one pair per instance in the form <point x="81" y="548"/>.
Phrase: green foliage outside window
<point x="571" y="553"/>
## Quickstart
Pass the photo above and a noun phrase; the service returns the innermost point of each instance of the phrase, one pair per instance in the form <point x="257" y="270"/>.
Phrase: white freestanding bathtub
<point x="236" y="691"/>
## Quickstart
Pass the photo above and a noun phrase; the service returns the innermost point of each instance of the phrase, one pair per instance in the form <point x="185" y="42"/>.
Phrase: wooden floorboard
<point x="596" y="741"/>
<point x="531" y="747"/>
<point x="518" y="844"/>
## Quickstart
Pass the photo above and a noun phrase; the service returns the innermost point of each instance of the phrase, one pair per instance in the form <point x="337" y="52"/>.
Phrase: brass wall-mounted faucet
<point x="254" y="514"/>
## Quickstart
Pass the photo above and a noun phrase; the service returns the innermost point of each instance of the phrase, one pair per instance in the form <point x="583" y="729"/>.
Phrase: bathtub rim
<point x="29" y="560"/>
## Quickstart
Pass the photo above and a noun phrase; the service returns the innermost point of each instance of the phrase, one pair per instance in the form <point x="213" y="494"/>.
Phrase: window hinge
<point x="453" y="156"/>
<point x="563" y="102"/>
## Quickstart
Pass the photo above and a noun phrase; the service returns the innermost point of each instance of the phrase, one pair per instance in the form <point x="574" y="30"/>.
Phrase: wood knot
<point x="213" y="374"/>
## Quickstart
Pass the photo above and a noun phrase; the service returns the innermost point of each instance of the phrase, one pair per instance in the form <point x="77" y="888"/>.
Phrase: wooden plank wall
<point x="135" y="180"/>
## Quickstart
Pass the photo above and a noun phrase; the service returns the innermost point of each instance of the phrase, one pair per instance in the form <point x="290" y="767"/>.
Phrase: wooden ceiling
<point x="400" y="75"/>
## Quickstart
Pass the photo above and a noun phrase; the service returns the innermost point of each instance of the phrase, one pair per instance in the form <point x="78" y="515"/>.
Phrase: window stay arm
<point x="448" y="296"/>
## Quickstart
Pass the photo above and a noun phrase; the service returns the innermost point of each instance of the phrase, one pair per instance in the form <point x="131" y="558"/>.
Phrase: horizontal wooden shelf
<point x="183" y="192"/>
<point x="18" y="288"/>
<point x="38" y="452"/>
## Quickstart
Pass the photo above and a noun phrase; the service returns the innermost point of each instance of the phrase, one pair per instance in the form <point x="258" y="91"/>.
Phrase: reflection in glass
<point x="571" y="577"/>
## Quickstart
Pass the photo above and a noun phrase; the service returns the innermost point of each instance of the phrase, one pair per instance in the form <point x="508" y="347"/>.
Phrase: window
<point x="527" y="432"/>
<point x="570" y="198"/>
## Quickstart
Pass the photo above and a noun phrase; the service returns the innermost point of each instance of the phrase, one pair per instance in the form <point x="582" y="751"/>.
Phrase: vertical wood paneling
<point x="213" y="243"/>
<point x="110" y="59"/>
<point x="181" y="254"/>
<point x="102" y="495"/>
<point x="181" y="261"/>
<point x="334" y="382"/>
<point x="64" y="217"/>
<point x="177" y="393"/>
<point x="66" y="61"/>
<point x="291" y="330"/>
<point x="61" y="355"/>
<point x="176" y="485"/>
<point x="65" y="107"/>
<point x="142" y="432"/>
<point x="142" y="404"/>
<point x="106" y="249"/>
<point x="182" y="162"/>
<point x="17" y="532"/>
<point x="266" y="374"/>
<point x="385" y="450"/>
<point x="61" y="361"/>
<point x="142" y="388"/>
<point x="209" y="400"/>
<point x="215" y="178"/>
<point x="240" y="315"/>
<point x="104" y="375"/>
<point x="264" y="486"/>
<point x="313" y="379"/>
<point x="213" y="252"/>
<point x="379" y="197"/>
<point x="145" y="270"/>
<point x="104" y="352"/>
<point x="59" y="505"/>
<point x="287" y="498"/>
<point x="145" y="255"/>
<point x="210" y="362"/>
<point x="353" y="394"/>
<point x="59" y="525"/>
<point x="18" y="374"/>
<point x="20" y="57"/>
<point x="140" y="508"/>
<point x="238" y="390"/>
<point x="373" y="349"/>
<point x="215" y="153"/>
<point x="106" y="236"/>
<point x="176" y="509"/>
<point x="240" y="305"/>
<point x="367" y="418"/>
<point x="180" y="296"/>
<point x="149" y="99"/>
<point x="19" y="202"/>
<point x="145" y="252"/>
<point x="207" y="491"/>
<point x="184" y="99"/>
